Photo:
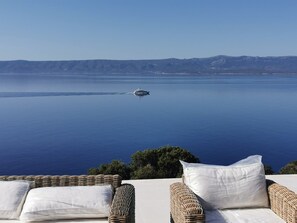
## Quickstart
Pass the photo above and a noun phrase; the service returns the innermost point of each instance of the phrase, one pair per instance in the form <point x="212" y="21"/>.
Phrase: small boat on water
<point x="141" y="92"/>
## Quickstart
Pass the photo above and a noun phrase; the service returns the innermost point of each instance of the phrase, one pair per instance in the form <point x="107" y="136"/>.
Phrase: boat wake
<point x="56" y="94"/>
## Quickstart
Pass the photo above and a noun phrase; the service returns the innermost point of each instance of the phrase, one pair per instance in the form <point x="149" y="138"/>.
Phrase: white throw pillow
<point x="52" y="203"/>
<point x="249" y="160"/>
<point x="240" y="185"/>
<point x="12" y="196"/>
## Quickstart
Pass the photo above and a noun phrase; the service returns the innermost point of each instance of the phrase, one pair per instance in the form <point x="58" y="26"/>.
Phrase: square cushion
<point x="12" y="196"/>
<point x="52" y="203"/>
<point x="241" y="185"/>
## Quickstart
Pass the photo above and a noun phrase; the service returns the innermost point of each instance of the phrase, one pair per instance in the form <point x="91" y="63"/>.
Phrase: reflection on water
<point x="219" y="119"/>
<point x="55" y="94"/>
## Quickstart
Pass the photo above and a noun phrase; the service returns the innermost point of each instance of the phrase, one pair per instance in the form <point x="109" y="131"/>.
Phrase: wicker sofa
<point x="123" y="203"/>
<point x="185" y="207"/>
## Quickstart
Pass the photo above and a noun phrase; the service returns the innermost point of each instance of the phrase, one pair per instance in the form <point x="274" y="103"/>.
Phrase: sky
<point x="146" y="29"/>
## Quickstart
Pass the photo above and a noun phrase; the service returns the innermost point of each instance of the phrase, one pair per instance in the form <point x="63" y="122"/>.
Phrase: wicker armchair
<point x="185" y="207"/>
<point x="123" y="204"/>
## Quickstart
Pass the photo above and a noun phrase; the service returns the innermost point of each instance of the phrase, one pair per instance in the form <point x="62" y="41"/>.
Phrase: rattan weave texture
<point x="283" y="201"/>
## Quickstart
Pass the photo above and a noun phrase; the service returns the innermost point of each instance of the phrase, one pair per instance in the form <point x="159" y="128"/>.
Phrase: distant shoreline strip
<point x="56" y="94"/>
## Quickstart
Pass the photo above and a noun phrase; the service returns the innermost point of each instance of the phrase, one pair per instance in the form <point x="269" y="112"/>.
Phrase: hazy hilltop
<point x="196" y="66"/>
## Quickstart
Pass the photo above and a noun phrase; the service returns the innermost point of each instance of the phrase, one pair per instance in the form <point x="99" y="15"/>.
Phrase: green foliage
<point x="149" y="164"/>
<point x="115" y="167"/>
<point x="163" y="162"/>
<point x="93" y="171"/>
<point x="160" y="163"/>
<point x="268" y="170"/>
<point x="290" y="168"/>
<point x="146" y="172"/>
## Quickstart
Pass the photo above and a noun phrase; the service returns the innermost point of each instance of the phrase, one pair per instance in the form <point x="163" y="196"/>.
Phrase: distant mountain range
<point x="218" y="65"/>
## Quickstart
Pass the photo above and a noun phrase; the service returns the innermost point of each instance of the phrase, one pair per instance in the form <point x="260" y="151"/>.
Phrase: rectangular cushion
<point x="52" y="203"/>
<point x="255" y="215"/>
<point x="222" y="187"/>
<point x="12" y="196"/>
<point x="93" y="220"/>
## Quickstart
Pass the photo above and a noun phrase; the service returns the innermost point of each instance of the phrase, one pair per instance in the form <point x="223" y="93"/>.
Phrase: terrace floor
<point x="153" y="203"/>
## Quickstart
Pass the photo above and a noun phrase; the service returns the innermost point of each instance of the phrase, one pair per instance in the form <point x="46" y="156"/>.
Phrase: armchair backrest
<point x="68" y="180"/>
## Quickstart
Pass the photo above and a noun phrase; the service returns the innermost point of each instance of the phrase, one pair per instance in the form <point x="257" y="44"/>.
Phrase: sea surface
<point x="66" y="125"/>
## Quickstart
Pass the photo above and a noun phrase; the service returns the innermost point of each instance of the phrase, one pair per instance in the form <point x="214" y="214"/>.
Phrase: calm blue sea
<point x="65" y="125"/>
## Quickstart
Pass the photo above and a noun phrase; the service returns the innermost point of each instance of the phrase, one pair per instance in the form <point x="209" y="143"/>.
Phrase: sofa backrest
<point x="67" y="180"/>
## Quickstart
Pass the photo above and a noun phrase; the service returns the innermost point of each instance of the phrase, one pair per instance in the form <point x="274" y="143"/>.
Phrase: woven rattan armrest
<point x="123" y="205"/>
<point x="282" y="201"/>
<point x="184" y="205"/>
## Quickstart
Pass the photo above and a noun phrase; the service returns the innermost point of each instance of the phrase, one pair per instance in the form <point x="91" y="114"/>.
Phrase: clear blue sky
<point x="146" y="29"/>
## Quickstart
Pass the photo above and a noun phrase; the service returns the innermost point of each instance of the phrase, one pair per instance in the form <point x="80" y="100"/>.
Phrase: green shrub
<point x="290" y="168"/>
<point x="146" y="172"/>
<point x="149" y="164"/>
<point x="268" y="170"/>
<point x="115" y="167"/>
<point x="163" y="162"/>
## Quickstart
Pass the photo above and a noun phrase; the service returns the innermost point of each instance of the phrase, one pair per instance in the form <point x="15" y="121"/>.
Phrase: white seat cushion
<point x="94" y="220"/>
<point x="55" y="203"/>
<point x="12" y="196"/>
<point x="256" y="215"/>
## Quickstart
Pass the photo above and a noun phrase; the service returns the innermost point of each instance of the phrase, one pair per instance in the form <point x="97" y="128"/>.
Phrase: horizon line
<point x="169" y="58"/>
